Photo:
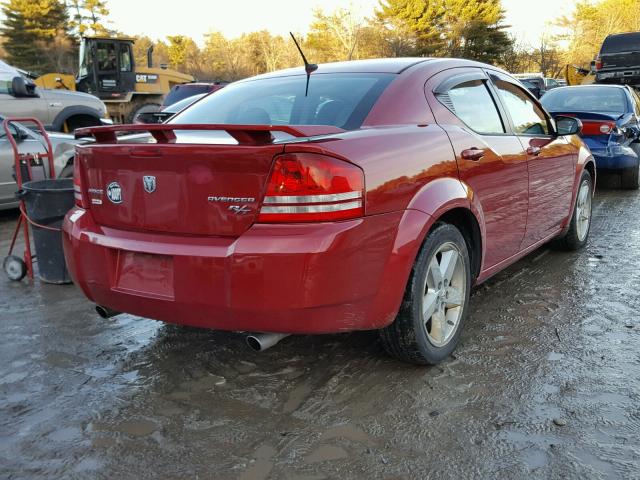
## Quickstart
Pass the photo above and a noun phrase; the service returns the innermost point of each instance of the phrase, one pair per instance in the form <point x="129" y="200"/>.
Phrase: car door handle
<point x="534" y="151"/>
<point x="472" y="154"/>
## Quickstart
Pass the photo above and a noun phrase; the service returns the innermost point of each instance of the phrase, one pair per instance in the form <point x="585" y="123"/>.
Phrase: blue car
<point x="610" y="116"/>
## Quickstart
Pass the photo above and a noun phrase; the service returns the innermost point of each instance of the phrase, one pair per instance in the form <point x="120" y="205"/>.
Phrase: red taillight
<point x="598" y="63"/>
<point x="77" y="185"/>
<point x="307" y="187"/>
<point x="597" y="128"/>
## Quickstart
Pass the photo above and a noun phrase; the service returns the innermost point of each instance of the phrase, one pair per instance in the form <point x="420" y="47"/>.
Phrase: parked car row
<point x="538" y="84"/>
<point x="354" y="196"/>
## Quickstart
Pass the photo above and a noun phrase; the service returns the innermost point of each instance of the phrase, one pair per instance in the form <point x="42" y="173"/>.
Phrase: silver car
<point x="31" y="142"/>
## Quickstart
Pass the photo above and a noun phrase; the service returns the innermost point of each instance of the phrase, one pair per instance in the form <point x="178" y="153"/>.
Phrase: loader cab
<point x="107" y="67"/>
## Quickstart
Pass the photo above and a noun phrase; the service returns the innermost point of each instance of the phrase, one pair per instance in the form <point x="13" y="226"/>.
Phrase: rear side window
<point x="528" y="118"/>
<point x="342" y="99"/>
<point x="472" y="103"/>
<point x="621" y="43"/>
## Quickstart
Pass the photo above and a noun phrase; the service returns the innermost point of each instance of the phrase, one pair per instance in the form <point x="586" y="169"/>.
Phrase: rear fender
<point x="444" y="194"/>
<point x="432" y="202"/>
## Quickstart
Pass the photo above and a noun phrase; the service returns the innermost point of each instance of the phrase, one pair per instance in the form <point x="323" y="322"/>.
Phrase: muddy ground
<point x="545" y="384"/>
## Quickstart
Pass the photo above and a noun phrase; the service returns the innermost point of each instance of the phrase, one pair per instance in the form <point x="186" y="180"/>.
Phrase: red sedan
<point x="374" y="197"/>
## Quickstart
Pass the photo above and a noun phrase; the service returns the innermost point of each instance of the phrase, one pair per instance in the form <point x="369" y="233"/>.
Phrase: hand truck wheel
<point x="14" y="267"/>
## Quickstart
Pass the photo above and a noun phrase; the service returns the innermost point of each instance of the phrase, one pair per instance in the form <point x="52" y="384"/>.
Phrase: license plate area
<point x="145" y="275"/>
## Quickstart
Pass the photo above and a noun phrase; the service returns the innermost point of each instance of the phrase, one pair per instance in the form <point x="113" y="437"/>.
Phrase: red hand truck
<point x="28" y="166"/>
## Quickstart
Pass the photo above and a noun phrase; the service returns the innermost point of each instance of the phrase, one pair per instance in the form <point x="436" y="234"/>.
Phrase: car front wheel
<point x="429" y="324"/>
<point x="576" y="236"/>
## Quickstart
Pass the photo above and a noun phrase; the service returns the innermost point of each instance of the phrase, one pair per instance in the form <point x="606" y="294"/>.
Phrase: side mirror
<point x="20" y="88"/>
<point x="568" y="125"/>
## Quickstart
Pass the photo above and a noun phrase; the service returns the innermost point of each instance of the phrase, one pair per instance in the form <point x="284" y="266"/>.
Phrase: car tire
<point x="578" y="233"/>
<point x="413" y="336"/>
<point x="631" y="176"/>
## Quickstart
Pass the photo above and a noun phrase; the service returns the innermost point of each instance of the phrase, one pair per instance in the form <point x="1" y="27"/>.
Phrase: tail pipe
<point x="106" y="312"/>
<point x="261" y="341"/>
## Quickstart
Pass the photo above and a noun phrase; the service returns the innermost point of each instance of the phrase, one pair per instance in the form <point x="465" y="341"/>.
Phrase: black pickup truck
<point x="619" y="59"/>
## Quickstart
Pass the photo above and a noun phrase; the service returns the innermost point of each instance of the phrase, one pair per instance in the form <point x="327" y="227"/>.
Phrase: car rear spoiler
<point x="244" y="134"/>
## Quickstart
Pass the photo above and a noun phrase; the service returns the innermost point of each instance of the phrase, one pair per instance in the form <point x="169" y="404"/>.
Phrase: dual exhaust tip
<point x="258" y="342"/>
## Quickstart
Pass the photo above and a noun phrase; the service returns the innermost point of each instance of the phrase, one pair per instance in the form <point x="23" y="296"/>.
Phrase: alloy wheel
<point x="444" y="294"/>
<point x="583" y="210"/>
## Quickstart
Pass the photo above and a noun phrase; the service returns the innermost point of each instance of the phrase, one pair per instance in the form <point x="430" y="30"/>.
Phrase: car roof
<point x="624" y="34"/>
<point x="376" y="65"/>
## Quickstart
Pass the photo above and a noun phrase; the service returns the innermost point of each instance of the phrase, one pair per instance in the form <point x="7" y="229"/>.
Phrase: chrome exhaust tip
<point x="106" y="312"/>
<point x="259" y="342"/>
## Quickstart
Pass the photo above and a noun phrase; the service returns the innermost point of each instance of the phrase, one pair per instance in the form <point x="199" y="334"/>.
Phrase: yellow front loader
<point x="108" y="71"/>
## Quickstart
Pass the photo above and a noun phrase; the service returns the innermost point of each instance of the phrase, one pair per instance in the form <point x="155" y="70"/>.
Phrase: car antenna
<point x="308" y="67"/>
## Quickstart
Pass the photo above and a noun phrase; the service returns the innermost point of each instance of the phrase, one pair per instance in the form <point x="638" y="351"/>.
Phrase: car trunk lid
<point x="184" y="188"/>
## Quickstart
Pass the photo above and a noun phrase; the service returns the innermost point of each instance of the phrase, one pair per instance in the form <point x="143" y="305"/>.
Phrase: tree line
<point x="43" y="35"/>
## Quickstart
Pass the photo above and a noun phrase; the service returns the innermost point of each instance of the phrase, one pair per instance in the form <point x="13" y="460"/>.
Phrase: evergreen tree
<point x="458" y="28"/>
<point x="29" y="27"/>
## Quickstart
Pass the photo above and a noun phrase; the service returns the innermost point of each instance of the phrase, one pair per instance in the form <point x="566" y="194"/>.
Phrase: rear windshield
<point x="180" y="92"/>
<point x="586" y="99"/>
<point x="621" y="43"/>
<point x="339" y="99"/>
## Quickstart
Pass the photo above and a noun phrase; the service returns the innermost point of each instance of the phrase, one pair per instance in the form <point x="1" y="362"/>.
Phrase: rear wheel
<point x="631" y="176"/>
<point x="576" y="236"/>
<point x="429" y="324"/>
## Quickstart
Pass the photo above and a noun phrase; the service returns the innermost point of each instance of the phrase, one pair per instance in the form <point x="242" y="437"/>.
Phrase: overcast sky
<point x="233" y="17"/>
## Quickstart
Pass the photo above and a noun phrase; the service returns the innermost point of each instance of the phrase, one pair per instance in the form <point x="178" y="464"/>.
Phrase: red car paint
<point x="172" y="255"/>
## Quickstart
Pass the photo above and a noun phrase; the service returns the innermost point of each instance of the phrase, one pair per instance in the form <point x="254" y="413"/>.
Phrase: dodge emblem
<point x="149" y="183"/>
<point x="114" y="192"/>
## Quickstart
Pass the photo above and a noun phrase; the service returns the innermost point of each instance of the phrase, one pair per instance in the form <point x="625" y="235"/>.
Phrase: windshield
<point x="342" y="100"/>
<point x="586" y="99"/>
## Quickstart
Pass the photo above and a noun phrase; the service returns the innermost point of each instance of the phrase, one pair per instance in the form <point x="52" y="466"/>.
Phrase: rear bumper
<point x="629" y="76"/>
<point x="615" y="157"/>
<point x="307" y="278"/>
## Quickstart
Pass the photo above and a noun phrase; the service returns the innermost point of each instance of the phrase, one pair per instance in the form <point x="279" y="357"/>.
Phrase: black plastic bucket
<point x="47" y="202"/>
